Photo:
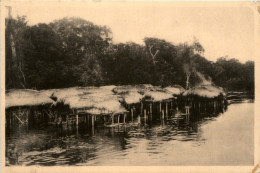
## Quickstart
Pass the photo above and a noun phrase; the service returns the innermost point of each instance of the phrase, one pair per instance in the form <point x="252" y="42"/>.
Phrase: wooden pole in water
<point x="67" y="119"/>
<point x="118" y="119"/>
<point x="139" y="119"/>
<point x="77" y="118"/>
<point x="27" y="118"/>
<point x="160" y="108"/>
<point x="93" y="121"/>
<point x="7" y="119"/>
<point x="132" y="114"/>
<point x="93" y="124"/>
<point x="11" y="121"/>
<point x="144" y="116"/>
<point x="55" y="115"/>
<point x="141" y="113"/>
<point x="166" y="110"/>
<point x="163" y="114"/>
<point x="151" y="109"/>
<point x="188" y="115"/>
<point x="112" y="119"/>
<point x="36" y="117"/>
<point x="176" y="103"/>
<point x="124" y="117"/>
<point x="104" y="118"/>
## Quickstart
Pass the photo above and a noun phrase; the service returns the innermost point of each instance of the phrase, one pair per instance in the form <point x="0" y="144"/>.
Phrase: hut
<point x="92" y="102"/>
<point x="145" y="100"/>
<point x="24" y="105"/>
<point x="158" y="101"/>
<point x="108" y="104"/>
<point x="131" y="96"/>
<point x="204" y="98"/>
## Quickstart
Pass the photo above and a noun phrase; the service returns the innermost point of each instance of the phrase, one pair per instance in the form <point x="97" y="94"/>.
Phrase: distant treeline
<point x="75" y="52"/>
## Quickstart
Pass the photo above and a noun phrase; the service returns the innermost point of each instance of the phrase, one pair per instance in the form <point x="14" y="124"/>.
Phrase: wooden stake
<point x="151" y="109"/>
<point x="141" y="113"/>
<point x="166" y="110"/>
<point x="67" y="119"/>
<point x="77" y="119"/>
<point x="55" y="117"/>
<point x="160" y="108"/>
<point x="118" y="119"/>
<point x="112" y="119"/>
<point x="124" y="117"/>
<point x="132" y="114"/>
<point x="145" y="113"/>
<point x="93" y="121"/>
<point x="163" y="114"/>
<point x="10" y="117"/>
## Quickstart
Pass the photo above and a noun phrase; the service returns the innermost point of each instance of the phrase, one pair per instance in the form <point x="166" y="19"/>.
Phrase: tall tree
<point x="14" y="40"/>
<point x="84" y="44"/>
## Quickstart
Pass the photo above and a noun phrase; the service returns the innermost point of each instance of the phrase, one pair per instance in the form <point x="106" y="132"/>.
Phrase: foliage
<point x="14" y="52"/>
<point x="74" y="52"/>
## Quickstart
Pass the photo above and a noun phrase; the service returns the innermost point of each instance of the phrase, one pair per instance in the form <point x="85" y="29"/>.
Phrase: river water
<point x="223" y="139"/>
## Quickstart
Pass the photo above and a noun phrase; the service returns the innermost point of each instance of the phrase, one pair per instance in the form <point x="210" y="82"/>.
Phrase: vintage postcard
<point x="129" y="86"/>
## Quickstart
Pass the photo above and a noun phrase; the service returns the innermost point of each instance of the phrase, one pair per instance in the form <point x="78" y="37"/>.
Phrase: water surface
<point x="225" y="139"/>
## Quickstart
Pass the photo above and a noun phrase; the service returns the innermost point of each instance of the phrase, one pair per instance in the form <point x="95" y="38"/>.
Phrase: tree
<point x="164" y="58"/>
<point x="188" y="54"/>
<point x="84" y="44"/>
<point x="44" y="58"/>
<point x="75" y="52"/>
<point x="14" y="28"/>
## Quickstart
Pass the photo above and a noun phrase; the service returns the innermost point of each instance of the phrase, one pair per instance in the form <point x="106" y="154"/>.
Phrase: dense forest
<point x="75" y="52"/>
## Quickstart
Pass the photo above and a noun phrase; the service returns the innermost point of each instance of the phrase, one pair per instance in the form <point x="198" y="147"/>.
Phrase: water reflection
<point x="208" y="139"/>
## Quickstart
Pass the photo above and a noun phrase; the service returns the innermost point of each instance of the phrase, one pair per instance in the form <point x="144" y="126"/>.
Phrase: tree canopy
<point x="75" y="52"/>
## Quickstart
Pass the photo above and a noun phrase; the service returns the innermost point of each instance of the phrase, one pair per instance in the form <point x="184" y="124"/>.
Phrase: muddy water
<point x="223" y="139"/>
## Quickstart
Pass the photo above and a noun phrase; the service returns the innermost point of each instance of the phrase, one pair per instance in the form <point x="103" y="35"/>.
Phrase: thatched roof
<point x="209" y="91"/>
<point x="175" y="89"/>
<point x="134" y="93"/>
<point x="131" y="93"/>
<point x="142" y="88"/>
<point x="91" y="97"/>
<point x="159" y="95"/>
<point x="26" y="97"/>
<point x="105" y="97"/>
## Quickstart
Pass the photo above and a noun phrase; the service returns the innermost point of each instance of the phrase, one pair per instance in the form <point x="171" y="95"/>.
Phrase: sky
<point x="223" y="30"/>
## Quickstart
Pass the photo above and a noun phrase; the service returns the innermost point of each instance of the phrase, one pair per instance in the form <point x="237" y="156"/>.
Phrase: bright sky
<point x="221" y="29"/>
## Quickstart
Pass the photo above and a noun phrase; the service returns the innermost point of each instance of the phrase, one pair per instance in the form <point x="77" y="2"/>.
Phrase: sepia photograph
<point x="129" y="84"/>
